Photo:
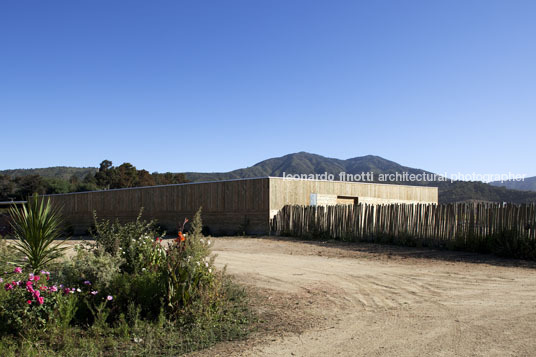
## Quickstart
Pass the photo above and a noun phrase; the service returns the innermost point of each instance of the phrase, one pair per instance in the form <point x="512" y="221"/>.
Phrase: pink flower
<point x="29" y="302"/>
<point x="8" y="286"/>
<point x="87" y="282"/>
<point x="18" y="270"/>
<point x="40" y="300"/>
<point x="109" y="298"/>
<point x="1" y="280"/>
<point x="36" y="293"/>
<point x="95" y="292"/>
<point x="28" y="283"/>
<point x="30" y="276"/>
<point x="30" y="289"/>
<point x="53" y="288"/>
<point x="36" y="278"/>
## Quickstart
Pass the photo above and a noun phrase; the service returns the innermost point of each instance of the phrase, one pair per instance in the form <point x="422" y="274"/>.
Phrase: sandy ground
<point x="327" y="299"/>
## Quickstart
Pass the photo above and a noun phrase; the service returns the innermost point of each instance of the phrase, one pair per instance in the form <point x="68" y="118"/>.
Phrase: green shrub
<point x="188" y="268"/>
<point x="91" y="264"/>
<point x="132" y="241"/>
<point x="128" y="292"/>
<point x="36" y="226"/>
<point x="30" y="302"/>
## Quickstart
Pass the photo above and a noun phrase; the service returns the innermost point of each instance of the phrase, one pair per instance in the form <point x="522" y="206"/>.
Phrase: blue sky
<point x="445" y="86"/>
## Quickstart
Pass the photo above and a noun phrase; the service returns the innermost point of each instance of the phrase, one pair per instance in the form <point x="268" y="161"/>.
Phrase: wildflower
<point x="43" y="288"/>
<point x="30" y="276"/>
<point x="180" y="238"/>
<point x="109" y="298"/>
<point x="206" y="264"/>
<point x="94" y="292"/>
<point x="40" y="300"/>
<point x="42" y="272"/>
<point x="87" y="282"/>
<point x="143" y="269"/>
<point x="53" y="288"/>
<point x="29" y="302"/>
<point x="1" y="280"/>
<point x="36" y="293"/>
<point x="36" y="278"/>
<point x="8" y="286"/>
<point x="210" y="270"/>
<point x="78" y="290"/>
<point x="18" y="270"/>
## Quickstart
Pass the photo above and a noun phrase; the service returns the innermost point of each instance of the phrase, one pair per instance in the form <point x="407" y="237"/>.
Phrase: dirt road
<point x="367" y="300"/>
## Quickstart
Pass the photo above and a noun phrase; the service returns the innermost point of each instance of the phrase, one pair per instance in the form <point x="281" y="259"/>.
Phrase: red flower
<point x="29" y="302"/>
<point x="40" y="300"/>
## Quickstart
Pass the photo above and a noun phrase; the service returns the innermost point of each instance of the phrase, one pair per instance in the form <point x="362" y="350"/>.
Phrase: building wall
<point x="227" y="205"/>
<point x="290" y="191"/>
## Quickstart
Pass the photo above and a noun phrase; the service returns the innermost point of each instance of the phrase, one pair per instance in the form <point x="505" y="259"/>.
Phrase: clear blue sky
<point x="218" y="85"/>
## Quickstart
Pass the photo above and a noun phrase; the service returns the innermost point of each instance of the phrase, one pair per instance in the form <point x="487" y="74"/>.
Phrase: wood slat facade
<point x="228" y="206"/>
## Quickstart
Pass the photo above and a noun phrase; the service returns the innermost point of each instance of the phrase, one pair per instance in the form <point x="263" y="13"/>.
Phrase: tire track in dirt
<point x="377" y="307"/>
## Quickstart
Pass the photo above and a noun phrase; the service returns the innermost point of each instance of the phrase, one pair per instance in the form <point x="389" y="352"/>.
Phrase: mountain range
<point x="307" y="163"/>
<point x="528" y="184"/>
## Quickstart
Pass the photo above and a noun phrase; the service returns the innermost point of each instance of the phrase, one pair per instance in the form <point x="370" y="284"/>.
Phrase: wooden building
<point x="229" y="206"/>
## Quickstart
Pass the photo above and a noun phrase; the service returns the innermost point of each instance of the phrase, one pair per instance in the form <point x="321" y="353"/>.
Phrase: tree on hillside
<point x="145" y="178"/>
<point x="105" y="176"/>
<point x="168" y="178"/>
<point x="28" y="185"/>
<point x="7" y="188"/>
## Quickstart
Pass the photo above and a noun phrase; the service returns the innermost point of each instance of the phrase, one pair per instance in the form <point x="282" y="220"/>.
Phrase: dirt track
<point x="368" y="300"/>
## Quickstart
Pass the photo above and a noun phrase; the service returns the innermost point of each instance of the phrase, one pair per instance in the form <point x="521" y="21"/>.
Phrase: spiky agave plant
<point x="36" y="226"/>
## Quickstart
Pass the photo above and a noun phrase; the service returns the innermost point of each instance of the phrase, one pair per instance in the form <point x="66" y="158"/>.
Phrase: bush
<point x="36" y="226"/>
<point x="90" y="264"/>
<point x="128" y="286"/>
<point x="132" y="241"/>
<point x="189" y="268"/>
<point x="30" y="302"/>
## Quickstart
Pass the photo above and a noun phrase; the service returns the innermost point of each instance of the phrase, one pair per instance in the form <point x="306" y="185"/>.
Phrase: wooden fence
<point x="436" y="223"/>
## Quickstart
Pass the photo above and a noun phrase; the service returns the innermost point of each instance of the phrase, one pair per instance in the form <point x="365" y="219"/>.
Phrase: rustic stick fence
<point x="436" y="225"/>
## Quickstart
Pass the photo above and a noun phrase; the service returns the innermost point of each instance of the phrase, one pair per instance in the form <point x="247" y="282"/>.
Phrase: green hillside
<point x="528" y="184"/>
<point x="58" y="172"/>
